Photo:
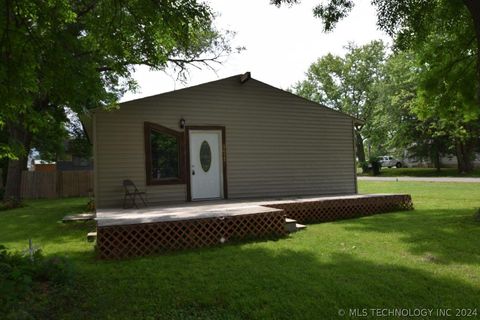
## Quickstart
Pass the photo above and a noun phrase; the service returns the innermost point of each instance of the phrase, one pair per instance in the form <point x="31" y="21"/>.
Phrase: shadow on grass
<point x="259" y="280"/>
<point x="249" y="282"/>
<point x="441" y="235"/>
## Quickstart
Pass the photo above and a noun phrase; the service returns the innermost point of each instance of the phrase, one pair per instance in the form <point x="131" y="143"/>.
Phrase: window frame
<point x="148" y="128"/>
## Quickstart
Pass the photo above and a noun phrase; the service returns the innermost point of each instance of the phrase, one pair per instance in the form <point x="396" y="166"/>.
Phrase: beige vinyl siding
<point x="277" y="144"/>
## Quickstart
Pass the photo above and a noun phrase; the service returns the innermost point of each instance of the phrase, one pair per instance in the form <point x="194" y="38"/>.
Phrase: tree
<point x="82" y="53"/>
<point x="407" y="20"/>
<point x="65" y="135"/>
<point x="426" y="108"/>
<point x="50" y="144"/>
<point x="347" y="84"/>
<point x="446" y="59"/>
<point x="397" y="125"/>
<point x="445" y="37"/>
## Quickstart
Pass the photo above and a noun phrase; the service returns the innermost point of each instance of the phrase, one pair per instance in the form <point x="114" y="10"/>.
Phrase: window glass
<point x="205" y="156"/>
<point x="164" y="156"/>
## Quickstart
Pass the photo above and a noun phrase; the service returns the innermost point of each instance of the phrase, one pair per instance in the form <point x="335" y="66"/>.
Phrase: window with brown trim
<point x="163" y="155"/>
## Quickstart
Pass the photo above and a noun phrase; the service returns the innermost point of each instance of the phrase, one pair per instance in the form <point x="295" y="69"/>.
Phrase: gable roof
<point x="354" y="119"/>
<point x="242" y="79"/>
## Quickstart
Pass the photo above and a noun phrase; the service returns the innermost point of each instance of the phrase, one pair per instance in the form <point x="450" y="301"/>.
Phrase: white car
<point x="389" y="161"/>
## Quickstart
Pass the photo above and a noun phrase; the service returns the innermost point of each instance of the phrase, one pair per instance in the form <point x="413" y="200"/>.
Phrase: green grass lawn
<point x="422" y="172"/>
<point x="426" y="258"/>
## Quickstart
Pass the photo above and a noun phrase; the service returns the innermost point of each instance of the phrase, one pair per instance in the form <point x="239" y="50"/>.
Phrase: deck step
<point x="300" y="226"/>
<point x="91" y="236"/>
<point x="291" y="225"/>
<point x="79" y="217"/>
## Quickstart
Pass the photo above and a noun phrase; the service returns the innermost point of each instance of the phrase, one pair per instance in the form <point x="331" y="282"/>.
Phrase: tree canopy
<point x="411" y="22"/>
<point x="434" y="97"/>
<point x="82" y="54"/>
<point x="348" y="84"/>
<point x="407" y="111"/>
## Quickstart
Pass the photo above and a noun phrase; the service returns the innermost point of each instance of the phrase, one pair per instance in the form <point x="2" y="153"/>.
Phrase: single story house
<point x="232" y="138"/>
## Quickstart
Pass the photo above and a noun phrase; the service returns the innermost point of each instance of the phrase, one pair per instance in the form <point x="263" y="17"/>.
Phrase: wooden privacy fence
<point x="36" y="185"/>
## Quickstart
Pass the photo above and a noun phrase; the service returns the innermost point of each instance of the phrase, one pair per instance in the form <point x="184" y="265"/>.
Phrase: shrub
<point x="57" y="270"/>
<point x="365" y="166"/>
<point x="91" y="205"/>
<point x="476" y="215"/>
<point x="10" y="203"/>
<point x="23" y="278"/>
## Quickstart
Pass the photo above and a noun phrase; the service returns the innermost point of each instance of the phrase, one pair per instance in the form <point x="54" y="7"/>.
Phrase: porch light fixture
<point x="182" y="123"/>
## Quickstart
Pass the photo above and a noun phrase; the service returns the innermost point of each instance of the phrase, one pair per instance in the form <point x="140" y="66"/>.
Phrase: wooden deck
<point x="135" y="232"/>
<point x="196" y="210"/>
<point x="212" y="209"/>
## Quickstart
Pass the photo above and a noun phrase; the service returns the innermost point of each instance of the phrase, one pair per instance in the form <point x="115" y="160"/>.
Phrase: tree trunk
<point x="359" y="147"/>
<point x="464" y="152"/>
<point x="21" y="138"/>
<point x="436" y="159"/>
<point x="473" y="7"/>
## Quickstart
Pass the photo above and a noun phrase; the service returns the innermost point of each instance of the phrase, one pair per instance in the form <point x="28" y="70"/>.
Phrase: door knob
<point x="193" y="172"/>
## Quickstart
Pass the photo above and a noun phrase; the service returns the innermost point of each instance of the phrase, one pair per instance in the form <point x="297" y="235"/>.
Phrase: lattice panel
<point x="122" y="241"/>
<point x="337" y="209"/>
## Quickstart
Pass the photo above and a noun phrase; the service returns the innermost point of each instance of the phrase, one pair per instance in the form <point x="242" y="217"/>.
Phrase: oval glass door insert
<point x="205" y="156"/>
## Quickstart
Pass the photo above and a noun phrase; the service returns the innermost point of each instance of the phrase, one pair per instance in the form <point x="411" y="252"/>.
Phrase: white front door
<point x="206" y="179"/>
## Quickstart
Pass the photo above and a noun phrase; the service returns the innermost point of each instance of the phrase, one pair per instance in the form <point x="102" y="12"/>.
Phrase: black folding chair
<point x="131" y="192"/>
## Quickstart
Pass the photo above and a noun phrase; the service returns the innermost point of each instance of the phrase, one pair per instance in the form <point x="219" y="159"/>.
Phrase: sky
<point x="281" y="43"/>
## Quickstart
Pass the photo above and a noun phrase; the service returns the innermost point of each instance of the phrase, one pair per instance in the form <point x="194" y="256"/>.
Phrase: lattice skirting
<point x="337" y="209"/>
<point x="120" y="241"/>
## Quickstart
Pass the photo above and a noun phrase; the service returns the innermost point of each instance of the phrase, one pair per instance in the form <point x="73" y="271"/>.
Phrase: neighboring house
<point x="42" y="166"/>
<point x="446" y="161"/>
<point x="450" y="160"/>
<point x="232" y="138"/>
<point x="76" y="164"/>
<point x="76" y="158"/>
